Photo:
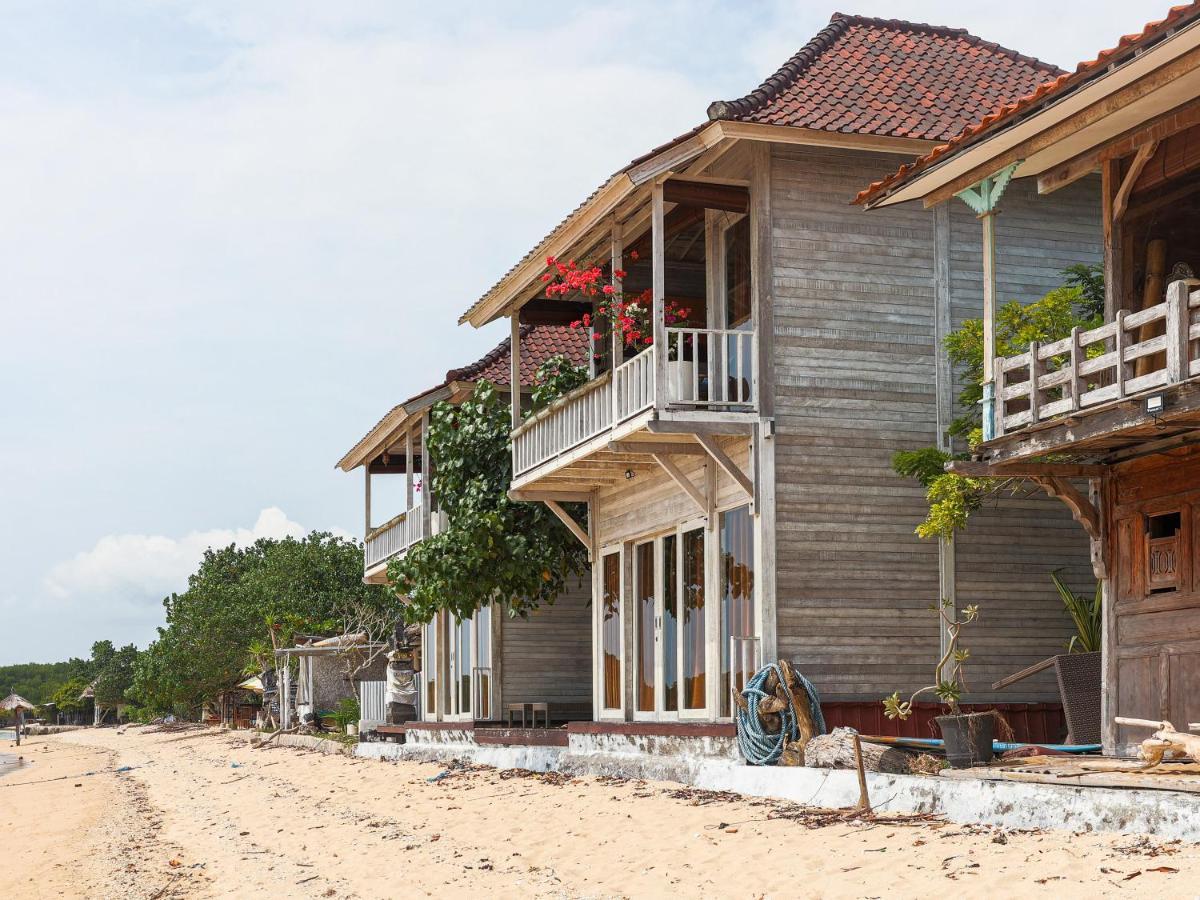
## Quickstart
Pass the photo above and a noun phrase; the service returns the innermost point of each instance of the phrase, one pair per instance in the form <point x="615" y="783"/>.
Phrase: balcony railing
<point x="398" y="534"/>
<point x="707" y="369"/>
<point x="1136" y="352"/>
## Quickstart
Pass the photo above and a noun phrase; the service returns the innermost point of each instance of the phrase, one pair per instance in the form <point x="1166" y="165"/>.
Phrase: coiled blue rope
<point x="758" y="746"/>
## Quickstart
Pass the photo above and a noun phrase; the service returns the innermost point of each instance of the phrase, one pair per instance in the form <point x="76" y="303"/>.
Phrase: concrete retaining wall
<point x="320" y="745"/>
<point x="713" y="764"/>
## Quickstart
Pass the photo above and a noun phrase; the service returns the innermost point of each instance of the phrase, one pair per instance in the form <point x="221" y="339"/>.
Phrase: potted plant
<point x="346" y="715"/>
<point x="968" y="736"/>
<point x="1079" y="669"/>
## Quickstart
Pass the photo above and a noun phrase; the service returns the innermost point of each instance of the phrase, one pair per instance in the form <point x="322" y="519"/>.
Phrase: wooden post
<point x="990" y="402"/>
<point x="514" y="355"/>
<point x="1035" y="371"/>
<point x="864" y="799"/>
<point x="408" y="468"/>
<point x="1178" y="327"/>
<point x="367" y="503"/>
<point x="659" y="290"/>
<point x="426" y="481"/>
<point x="20" y="718"/>
<point x="616" y="344"/>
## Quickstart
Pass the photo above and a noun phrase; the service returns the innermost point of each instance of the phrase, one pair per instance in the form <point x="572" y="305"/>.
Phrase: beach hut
<point x="16" y="704"/>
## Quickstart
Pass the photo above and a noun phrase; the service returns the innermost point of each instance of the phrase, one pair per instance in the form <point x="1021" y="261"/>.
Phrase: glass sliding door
<point x="645" y="606"/>
<point x="482" y="673"/>
<point x="670" y="623"/>
<point x="470" y="654"/>
<point x="609" y="633"/>
<point x="739" y="642"/>
<point x="691" y="594"/>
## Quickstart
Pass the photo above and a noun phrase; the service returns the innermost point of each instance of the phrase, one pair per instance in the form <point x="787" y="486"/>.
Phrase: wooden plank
<point x="1023" y="674"/>
<point x="652" y="447"/>
<point x="973" y="469"/>
<point x="1068" y="173"/>
<point x="658" y="281"/>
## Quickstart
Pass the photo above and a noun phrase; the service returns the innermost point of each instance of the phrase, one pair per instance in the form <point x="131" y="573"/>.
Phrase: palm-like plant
<point x="1086" y="612"/>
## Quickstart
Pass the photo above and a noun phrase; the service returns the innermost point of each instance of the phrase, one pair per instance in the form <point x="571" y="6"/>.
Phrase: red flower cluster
<point x="630" y="318"/>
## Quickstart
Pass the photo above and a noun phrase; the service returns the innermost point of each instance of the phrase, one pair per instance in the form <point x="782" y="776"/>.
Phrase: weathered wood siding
<point x="855" y="299"/>
<point x="1005" y="556"/>
<point x="548" y="656"/>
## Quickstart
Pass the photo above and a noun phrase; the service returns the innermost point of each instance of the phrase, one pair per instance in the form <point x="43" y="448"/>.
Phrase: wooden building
<point x="1107" y="419"/>
<point x="737" y="471"/>
<point x="471" y="669"/>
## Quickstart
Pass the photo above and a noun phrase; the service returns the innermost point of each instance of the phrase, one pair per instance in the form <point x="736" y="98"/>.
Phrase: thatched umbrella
<point x="18" y="704"/>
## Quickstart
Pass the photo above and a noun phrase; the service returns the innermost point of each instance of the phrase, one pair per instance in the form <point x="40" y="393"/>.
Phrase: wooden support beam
<point x="693" y="428"/>
<point x="514" y="354"/>
<point x="653" y="447"/>
<point x="1068" y="173"/>
<point x="721" y="458"/>
<point x="1024" y="470"/>
<point x="684" y="482"/>
<point x="1023" y="674"/>
<point x="658" y="287"/>
<point x="1121" y="203"/>
<point x="408" y="468"/>
<point x="574" y="527"/>
<point x="531" y="495"/>
<point x="1081" y="507"/>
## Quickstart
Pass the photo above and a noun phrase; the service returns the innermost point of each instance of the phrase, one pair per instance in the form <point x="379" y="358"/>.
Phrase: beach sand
<point x="201" y="814"/>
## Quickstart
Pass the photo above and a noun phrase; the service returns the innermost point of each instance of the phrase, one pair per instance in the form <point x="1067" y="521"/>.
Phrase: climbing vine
<point x="495" y="548"/>
<point x="952" y="498"/>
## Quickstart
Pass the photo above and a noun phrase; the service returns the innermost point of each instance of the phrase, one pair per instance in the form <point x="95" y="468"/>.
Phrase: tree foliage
<point x="952" y="498"/>
<point x="495" y="548"/>
<point x="244" y="597"/>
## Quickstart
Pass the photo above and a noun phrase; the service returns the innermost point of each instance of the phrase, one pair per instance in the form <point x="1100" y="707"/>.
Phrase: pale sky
<point x="233" y="234"/>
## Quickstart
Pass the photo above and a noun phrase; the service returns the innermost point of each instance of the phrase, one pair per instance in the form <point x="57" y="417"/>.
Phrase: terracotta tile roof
<point x="538" y="343"/>
<point x="1041" y="95"/>
<point x="867" y="76"/>
<point x="886" y="77"/>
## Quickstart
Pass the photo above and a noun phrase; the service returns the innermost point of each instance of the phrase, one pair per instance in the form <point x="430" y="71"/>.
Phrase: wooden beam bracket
<point x="721" y="458"/>
<point x="1121" y="203"/>
<point x="683" y="481"/>
<point x="575" y="528"/>
<point x="1081" y="507"/>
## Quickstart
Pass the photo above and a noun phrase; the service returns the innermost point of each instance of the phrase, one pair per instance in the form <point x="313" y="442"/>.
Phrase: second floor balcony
<point x="394" y="537"/>
<point x="706" y="376"/>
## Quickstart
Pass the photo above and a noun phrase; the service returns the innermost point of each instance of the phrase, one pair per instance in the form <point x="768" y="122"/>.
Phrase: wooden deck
<point x="1088" y="771"/>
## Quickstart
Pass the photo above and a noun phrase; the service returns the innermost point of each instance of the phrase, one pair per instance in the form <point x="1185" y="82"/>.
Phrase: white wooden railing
<point x="398" y="534"/>
<point x="634" y="385"/>
<point x="372" y="704"/>
<point x="564" y="424"/>
<point x="1136" y="352"/>
<point x="706" y="369"/>
<point x="712" y="367"/>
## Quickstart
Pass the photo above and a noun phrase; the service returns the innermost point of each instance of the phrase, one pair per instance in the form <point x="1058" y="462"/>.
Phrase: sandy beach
<point x="201" y="814"/>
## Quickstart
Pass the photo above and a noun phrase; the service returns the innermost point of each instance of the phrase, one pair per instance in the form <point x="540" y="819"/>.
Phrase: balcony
<point x="397" y="535"/>
<point x="709" y="375"/>
<point x="1132" y="355"/>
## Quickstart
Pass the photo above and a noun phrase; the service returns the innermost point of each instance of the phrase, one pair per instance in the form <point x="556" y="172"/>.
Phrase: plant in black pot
<point x="1078" y="669"/>
<point x="968" y="736"/>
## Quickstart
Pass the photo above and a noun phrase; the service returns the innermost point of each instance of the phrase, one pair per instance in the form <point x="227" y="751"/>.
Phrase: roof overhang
<point x="401" y="417"/>
<point x="523" y="282"/>
<point x="1119" y="98"/>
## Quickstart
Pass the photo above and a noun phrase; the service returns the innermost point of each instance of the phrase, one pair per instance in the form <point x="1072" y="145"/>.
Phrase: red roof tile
<point x="538" y="343"/>
<point x="865" y="76"/>
<point x="886" y="77"/>
<point x="1039" y="96"/>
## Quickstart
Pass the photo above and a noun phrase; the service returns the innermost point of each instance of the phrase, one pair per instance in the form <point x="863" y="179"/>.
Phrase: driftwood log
<point x="1165" y="743"/>
<point x="836" y="751"/>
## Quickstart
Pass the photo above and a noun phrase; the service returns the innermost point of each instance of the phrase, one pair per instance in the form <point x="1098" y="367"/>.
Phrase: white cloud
<point x="145" y="568"/>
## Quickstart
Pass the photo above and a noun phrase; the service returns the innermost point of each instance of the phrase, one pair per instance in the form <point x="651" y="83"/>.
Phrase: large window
<point x="470" y="666"/>
<point x="610" y="632"/>
<point x="670" y="622"/>
<point x="739" y="644"/>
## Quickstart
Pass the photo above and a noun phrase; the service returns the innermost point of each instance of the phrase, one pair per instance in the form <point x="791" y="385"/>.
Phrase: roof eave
<point x="379" y="437"/>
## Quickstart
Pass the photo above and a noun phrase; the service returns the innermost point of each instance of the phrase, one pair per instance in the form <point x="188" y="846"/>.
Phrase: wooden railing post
<point x="1035" y="369"/>
<point x="616" y="343"/>
<point x="1001" y="377"/>
<point x="1119" y="344"/>
<point x="1178" y="327"/>
<point x="1073" y="385"/>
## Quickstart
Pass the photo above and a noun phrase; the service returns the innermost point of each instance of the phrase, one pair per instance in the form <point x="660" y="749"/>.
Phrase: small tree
<point x="948" y="682"/>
